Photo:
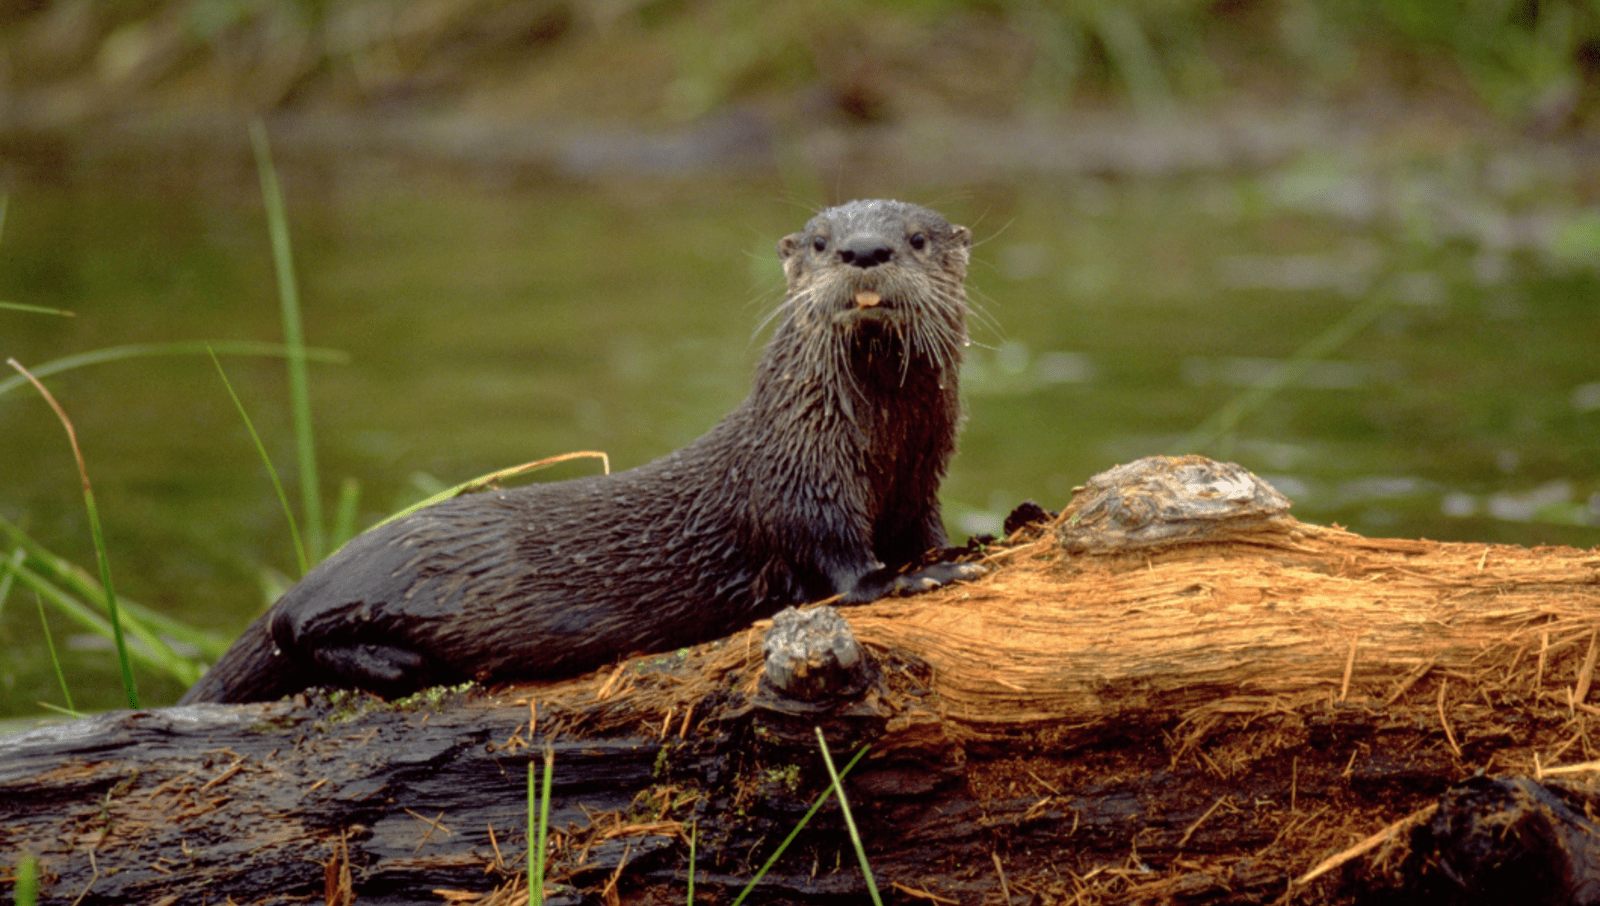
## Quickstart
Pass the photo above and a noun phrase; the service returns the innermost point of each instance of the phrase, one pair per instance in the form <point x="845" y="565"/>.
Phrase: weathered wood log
<point x="1205" y="717"/>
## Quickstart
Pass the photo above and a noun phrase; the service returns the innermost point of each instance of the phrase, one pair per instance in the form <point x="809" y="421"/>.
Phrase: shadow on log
<point x="1172" y="692"/>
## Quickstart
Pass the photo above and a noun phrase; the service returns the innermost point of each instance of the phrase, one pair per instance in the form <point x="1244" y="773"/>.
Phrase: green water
<point x="494" y="320"/>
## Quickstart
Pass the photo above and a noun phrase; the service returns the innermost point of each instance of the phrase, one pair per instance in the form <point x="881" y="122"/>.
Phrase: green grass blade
<point x="849" y="820"/>
<point x="1122" y="35"/>
<point x="293" y="337"/>
<point x="693" y="826"/>
<point x="77" y="581"/>
<point x="26" y="892"/>
<point x="99" y="540"/>
<point x="184" y="347"/>
<point x="37" y="309"/>
<point x="17" y="557"/>
<point x="538" y="833"/>
<point x="804" y="820"/>
<point x="485" y="480"/>
<point x="283" y="498"/>
<point x="69" y="605"/>
<point x="535" y="861"/>
<point x="50" y="643"/>
<point x="1221" y="425"/>
<point x="152" y="652"/>
<point x="104" y="561"/>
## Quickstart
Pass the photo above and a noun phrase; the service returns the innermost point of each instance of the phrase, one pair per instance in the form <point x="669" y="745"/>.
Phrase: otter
<point x="823" y="482"/>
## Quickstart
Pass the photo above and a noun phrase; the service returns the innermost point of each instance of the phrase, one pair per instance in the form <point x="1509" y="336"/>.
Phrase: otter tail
<point x="251" y="670"/>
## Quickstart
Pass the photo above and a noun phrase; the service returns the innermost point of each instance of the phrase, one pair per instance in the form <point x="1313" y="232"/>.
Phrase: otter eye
<point x="819" y="243"/>
<point x="917" y="241"/>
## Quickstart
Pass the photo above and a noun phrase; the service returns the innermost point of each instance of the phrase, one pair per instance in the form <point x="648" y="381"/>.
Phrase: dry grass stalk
<point x="337" y="884"/>
<point x="921" y="893"/>
<point x="1449" y="735"/>
<point x="1585" y="674"/>
<point x="1349" y="669"/>
<point x="1201" y="820"/>
<point x="1587" y="767"/>
<point x="1367" y="845"/>
<point x="999" y="870"/>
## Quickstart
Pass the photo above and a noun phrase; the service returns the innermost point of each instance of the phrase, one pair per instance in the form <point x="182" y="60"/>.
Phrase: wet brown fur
<point x="823" y="481"/>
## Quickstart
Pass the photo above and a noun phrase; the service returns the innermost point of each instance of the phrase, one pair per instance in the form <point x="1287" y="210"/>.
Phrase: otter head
<point x="881" y="272"/>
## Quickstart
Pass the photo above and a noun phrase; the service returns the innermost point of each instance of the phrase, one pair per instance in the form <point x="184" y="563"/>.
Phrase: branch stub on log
<point x="1166" y="500"/>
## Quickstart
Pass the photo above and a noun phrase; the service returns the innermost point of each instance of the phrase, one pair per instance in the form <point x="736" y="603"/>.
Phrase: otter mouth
<point x="867" y="306"/>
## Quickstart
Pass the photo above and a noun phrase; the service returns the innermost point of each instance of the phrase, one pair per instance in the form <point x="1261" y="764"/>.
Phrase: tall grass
<point x="294" y="339"/>
<point x="95" y="605"/>
<point x="101" y="558"/>
<point x="7" y="575"/>
<point x="73" y="592"/>
<point x="36" y="309"/>
<point x="483" y="481"/>
<point x="539" y="822"/>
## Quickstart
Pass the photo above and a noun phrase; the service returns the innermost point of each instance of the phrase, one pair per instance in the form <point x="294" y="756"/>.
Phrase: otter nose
<point x="866" y="251"/>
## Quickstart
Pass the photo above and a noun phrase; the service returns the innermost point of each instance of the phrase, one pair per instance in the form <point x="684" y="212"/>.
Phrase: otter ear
<point x="787" y="245"/>
<point x="960" y="252"/>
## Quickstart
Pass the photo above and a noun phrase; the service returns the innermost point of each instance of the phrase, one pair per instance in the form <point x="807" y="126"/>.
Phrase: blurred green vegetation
<point x="71" y="60"/>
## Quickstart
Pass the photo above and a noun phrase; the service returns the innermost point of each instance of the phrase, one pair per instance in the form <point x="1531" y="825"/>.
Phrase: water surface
<point x="494" y="320"/>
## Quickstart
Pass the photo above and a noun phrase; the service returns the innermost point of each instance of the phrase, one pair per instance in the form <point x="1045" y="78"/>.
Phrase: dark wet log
<point x="210" y="801"/>
<point x="1505" y="841"/>
<point x="1204" y="719"/>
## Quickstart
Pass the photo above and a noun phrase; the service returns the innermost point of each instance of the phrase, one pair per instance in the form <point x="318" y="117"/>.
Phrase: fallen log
<point x="1172" y="691"/>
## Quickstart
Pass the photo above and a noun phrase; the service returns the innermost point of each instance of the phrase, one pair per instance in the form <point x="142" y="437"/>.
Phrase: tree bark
<point x="1204" y="718"/>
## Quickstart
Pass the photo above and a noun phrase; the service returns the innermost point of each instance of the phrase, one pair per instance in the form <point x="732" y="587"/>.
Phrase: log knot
<point x="812" y="655"/>
<point x="1165" y="500"/>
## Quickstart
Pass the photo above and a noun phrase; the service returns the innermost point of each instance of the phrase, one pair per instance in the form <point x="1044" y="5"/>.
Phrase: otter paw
<point x="380" y="668"/>
<point x="884" y="582"/>
<point x="934" y="576"/>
